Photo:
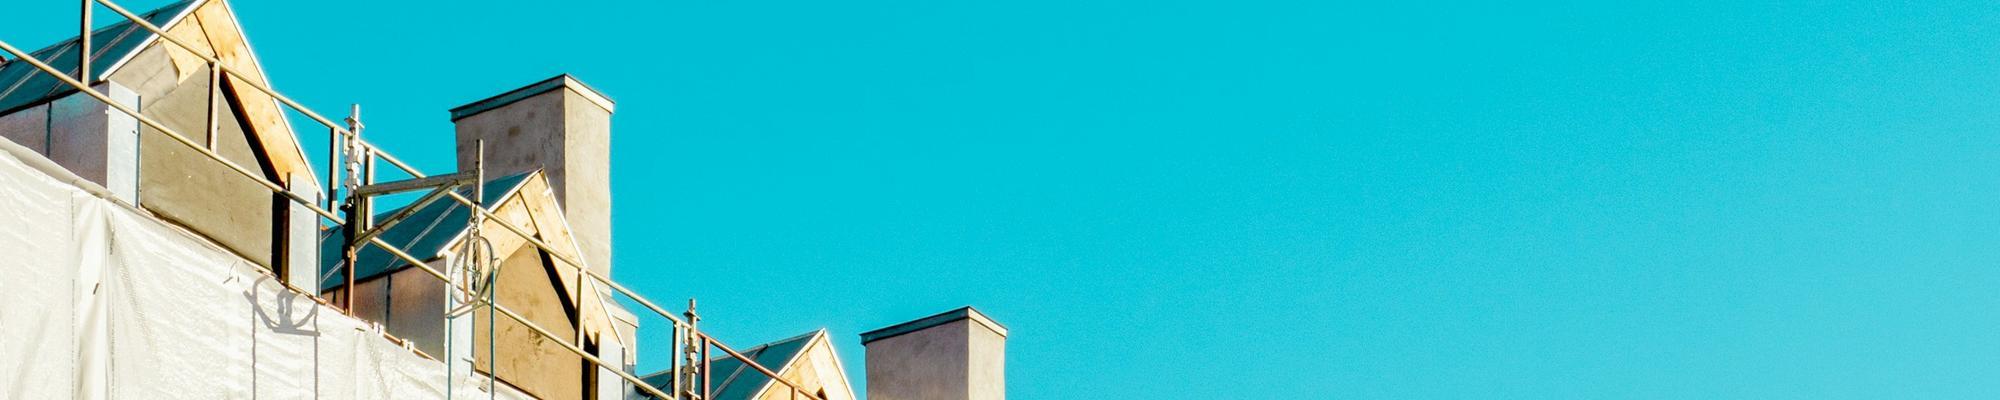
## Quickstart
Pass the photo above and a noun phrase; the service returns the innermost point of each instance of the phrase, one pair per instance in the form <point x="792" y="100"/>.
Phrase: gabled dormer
<point x="410" y="303"/>
<point x="807" y="360"/>
<point x="181" y="90"/>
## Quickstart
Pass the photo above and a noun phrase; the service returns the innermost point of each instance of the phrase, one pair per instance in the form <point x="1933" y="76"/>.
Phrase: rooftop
<point x="23" y="85"/>
<point x="546" y="85"/>
<point x="423" y="234"/>
<point x="730" y="379"/>
<point x="962" y="313"/>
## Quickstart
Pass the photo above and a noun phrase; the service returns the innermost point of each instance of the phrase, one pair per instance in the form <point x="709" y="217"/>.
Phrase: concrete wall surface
<point x="409" y="304"/>
<point x="566" y="134"/>
<point x="930" y="364"/>
<point x="416" y="309"/>
<point x="584" y="189"/>
<point x="96" y="141"/>
<point x="85" y="136"/>
<point x="956" y="355"/>
<point x="28" y="127"/>
<point x="986" y="364"/>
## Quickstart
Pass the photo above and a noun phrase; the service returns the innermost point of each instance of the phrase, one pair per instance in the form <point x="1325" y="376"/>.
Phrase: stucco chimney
<point x="562" y="127"/>
<point x="957" y="355"/>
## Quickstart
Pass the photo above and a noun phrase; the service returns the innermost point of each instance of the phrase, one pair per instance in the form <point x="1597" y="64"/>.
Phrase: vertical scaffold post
<point x="704" y="367"/>
<point x="356" y="208"/>
<point x="478" y="185"/>
<point x="83" y="46"/>
<point x="332" y="191"/>
<point x="695" y="356"/>
<point x="674" y="364"/>
<point x="492" y="275"/>
<point x="214" y="102"/>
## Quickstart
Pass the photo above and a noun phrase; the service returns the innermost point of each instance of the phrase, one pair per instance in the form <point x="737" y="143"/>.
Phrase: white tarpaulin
<point x="99" y="300"/>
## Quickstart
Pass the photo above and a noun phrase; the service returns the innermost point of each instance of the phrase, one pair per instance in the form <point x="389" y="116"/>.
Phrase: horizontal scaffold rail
<point x="343" y="133"/>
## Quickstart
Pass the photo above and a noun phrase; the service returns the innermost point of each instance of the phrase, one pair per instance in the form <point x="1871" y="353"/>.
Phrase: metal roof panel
<point x="23" y="86"/>
<point x="730" y="379"/>
<point x="423" y="234"/>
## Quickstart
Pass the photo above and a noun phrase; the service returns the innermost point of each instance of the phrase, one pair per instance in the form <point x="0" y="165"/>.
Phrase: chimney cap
<point x="545" y="85"/>
<point x="962" y="313"/>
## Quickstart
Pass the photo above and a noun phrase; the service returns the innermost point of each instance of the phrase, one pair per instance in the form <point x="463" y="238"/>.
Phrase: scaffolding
<point x="349" y="152"/>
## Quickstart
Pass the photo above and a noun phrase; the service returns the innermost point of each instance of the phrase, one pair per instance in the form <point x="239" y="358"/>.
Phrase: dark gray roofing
<point x="946" y="317"/>
<point x="423" y="234"/>
<point x="23" y="85"/>
<point x="730" y="379"/>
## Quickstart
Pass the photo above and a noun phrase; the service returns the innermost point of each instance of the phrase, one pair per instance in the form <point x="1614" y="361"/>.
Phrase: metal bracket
<point x="388" y="188"/>
<point x="405" y="213"/>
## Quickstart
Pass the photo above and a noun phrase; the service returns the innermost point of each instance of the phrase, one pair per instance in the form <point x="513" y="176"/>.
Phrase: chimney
<point x="563" y="127"/>
<point x="957" y="355"/>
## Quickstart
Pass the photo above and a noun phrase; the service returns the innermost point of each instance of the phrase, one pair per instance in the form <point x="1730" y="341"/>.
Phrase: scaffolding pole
<point x="348" y="137"/>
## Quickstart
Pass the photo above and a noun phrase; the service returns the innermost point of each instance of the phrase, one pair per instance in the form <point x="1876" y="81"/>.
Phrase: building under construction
<point x="165" y="235"/>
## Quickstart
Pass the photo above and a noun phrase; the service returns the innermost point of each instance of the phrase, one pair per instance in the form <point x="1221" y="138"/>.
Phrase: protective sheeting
<point x="38" y="279"/>
<point x="98" y="300"/>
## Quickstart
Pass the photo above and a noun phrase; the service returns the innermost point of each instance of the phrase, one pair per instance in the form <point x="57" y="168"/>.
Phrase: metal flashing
<point x="962" y="313"/>
<point x="546" y="85"/>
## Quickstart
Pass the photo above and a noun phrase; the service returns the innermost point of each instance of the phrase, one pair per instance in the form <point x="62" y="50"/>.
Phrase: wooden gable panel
<point x="533" y="209"/>
<point x="816" y="370"/>
<point x="524" y="358"/>
<point x="212" y="30"/>
<point x="549" y="222"/>
<point x="184" y="61"/>
<point x="266" y="118"/>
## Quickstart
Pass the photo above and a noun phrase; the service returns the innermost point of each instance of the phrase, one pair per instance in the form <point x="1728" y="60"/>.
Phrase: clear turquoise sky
<point x="1259" y="199"/>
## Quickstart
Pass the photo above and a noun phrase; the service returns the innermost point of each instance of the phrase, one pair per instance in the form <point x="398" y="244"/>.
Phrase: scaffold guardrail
<point x="690" y="371"/>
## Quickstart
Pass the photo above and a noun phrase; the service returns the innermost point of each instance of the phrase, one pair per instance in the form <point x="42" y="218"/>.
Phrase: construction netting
<point x="99" y="300"/>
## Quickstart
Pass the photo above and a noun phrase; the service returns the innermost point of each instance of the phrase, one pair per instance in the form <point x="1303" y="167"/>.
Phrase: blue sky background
<point x="1260" y="199"/>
